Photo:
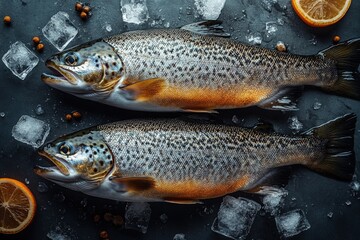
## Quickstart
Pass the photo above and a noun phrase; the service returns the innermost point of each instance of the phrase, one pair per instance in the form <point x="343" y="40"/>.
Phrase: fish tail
<point x="347" y="58"/>
<point x="339" y="159"/>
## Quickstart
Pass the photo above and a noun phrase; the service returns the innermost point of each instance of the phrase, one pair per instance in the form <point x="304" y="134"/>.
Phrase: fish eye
<point x="71" y="59"/>
<point x="65" y="149"/>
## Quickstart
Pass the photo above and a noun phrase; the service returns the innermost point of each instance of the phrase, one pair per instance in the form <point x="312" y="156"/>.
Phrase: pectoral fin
<point x="143" y="90"/>
<point x="135" y="183"/>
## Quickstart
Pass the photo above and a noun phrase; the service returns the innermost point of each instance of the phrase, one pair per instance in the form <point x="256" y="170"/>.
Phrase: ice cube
<point x="209" y="9"/>
<point x="292" y="223"/>
<point x="235" y="217"/>
<point x="295" y="124"/>
<point x="134" y="11"/>
<point x="20" y="60"/>
<point x="31" y="131"/>
<point x="137" y="216"/>
<point x="179" y="236"/>
<point x="255" y="39"/>
<point x="274" y="200"/>
<point x="271" y="28"/>
<point x="60" y="31"/>
<point x="268" y="4"/>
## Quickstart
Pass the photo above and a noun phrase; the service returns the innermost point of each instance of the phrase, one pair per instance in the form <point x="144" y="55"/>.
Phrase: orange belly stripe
<point x="193" y="190"/>
<point x="207" y="99"/>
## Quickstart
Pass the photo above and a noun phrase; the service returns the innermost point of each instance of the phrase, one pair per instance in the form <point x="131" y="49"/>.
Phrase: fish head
<point x="82" y="160"/>
<point x="87" y="70"/>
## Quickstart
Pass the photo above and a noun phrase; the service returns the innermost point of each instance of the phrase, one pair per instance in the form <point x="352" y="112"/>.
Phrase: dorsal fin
<point x="210" y="28"/>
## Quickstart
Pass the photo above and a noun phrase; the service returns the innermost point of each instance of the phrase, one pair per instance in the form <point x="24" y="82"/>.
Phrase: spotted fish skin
<point x="184" y="162"/>
<point x="204" y="72"/>
<point x="187" y="59"/>
<point x="182" y="70"/>
<point x="197" y="161"/>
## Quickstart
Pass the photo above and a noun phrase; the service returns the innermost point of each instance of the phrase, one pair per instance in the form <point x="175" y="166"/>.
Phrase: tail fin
<point x="347" y="58"/>
<point x="339" y="160"/>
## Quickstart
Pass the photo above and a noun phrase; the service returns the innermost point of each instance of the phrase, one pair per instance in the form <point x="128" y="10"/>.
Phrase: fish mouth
<point x="60" y="75"/>
<point x="59" y="169"/>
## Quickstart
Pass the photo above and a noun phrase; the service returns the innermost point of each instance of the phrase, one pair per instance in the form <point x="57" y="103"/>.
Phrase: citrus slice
<point x="321" y="13"/>
<point x="17" y="206"/>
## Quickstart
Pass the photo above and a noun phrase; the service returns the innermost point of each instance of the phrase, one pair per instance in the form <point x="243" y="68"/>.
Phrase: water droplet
<point x="355" y="186"/>
<point x="235" y="119"/>
<point x="84" y="202"/>
<point x="59" y="197"/>
<point x="42" y="187"/>
<point x="317" y="105"/>
<point x="163" y="218"/>
<point x="39" y="110"/>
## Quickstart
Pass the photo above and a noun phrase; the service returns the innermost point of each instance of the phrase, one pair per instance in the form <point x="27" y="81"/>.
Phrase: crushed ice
<point x="295" y="124"/>
<point x="134" y="11"/>
<point x="209" y="9"/>
<point x="179" y="236"/>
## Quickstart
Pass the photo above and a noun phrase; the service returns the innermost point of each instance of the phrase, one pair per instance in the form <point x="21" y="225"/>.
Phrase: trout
<point x="185" y="162"/>
<point x="197" y="69"/>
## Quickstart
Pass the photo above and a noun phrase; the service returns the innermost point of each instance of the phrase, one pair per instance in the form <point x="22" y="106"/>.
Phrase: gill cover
<point x="82" y="160"/>
<point x="86" y="68"/>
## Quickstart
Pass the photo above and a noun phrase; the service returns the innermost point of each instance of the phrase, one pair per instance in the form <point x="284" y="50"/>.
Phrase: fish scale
<point x="201" y="152"/>
<point x="215" y="62"/>
<point x="194" y="69"/>
<point x="182" y="162"/>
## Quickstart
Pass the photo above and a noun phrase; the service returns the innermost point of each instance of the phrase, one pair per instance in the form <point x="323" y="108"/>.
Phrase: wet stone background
<point x="70" y="214"/>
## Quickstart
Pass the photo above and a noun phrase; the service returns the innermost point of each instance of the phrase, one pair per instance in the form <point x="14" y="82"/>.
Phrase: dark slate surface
<point x="73" y="212"/>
